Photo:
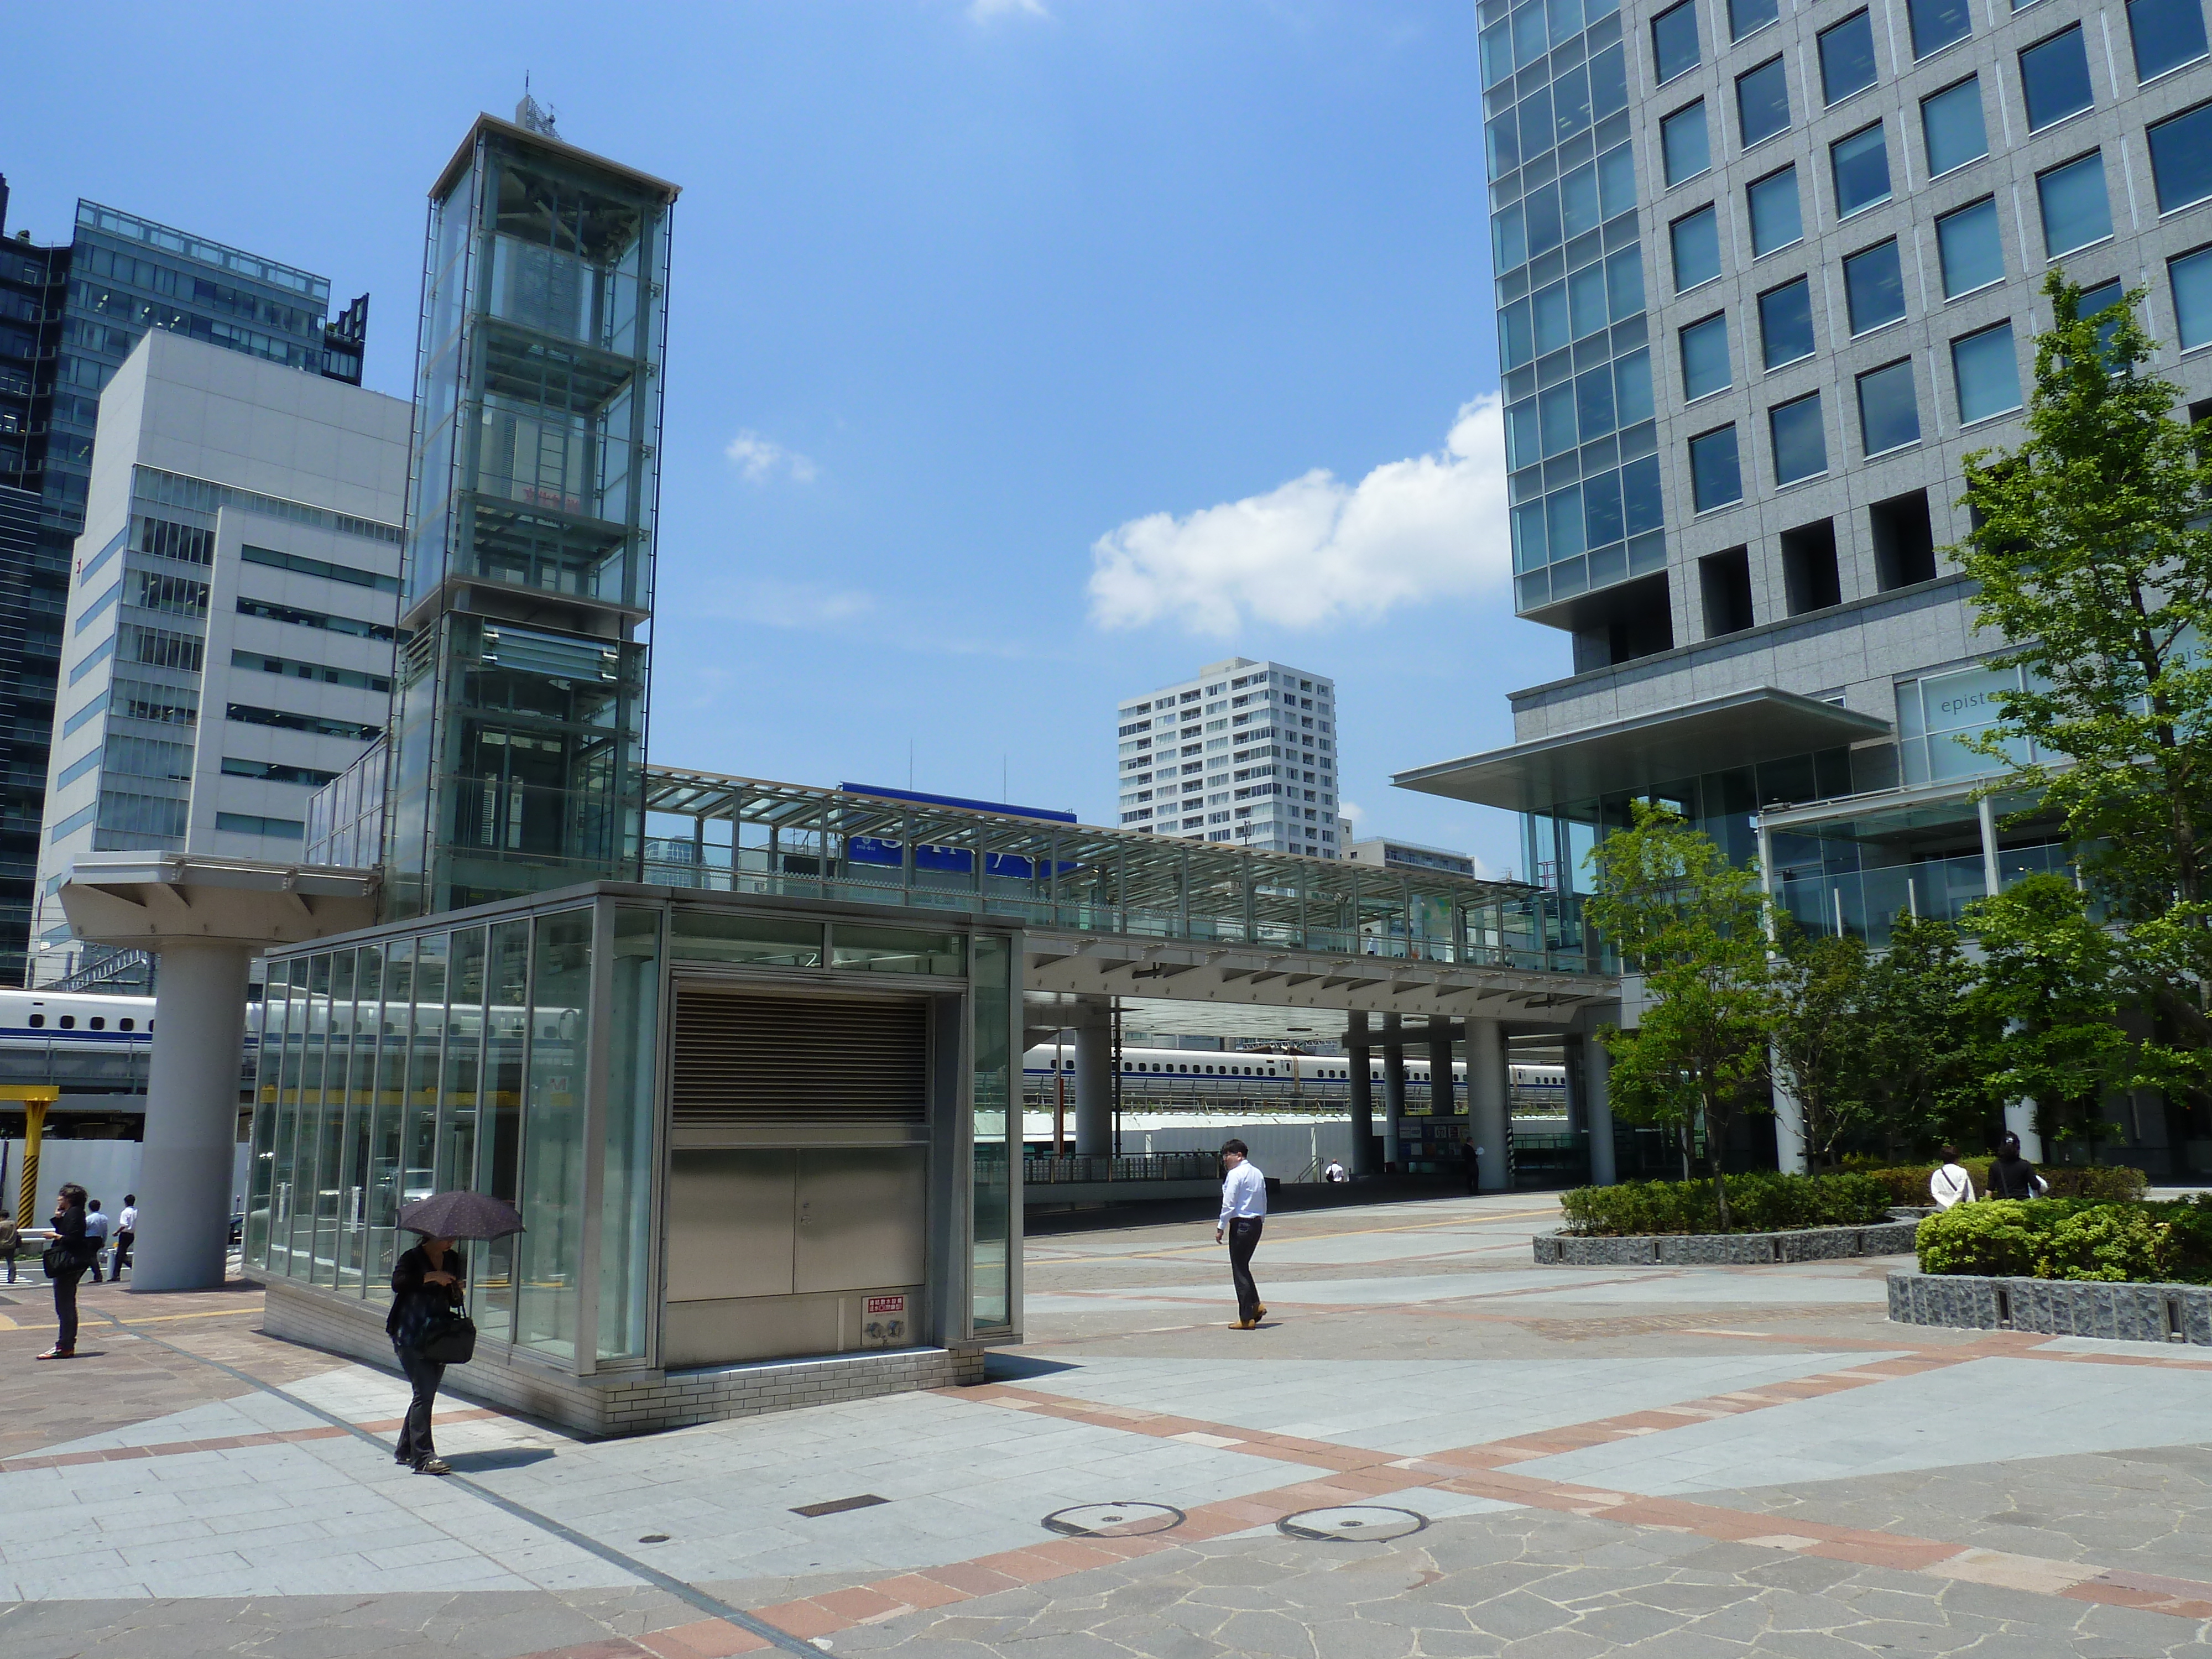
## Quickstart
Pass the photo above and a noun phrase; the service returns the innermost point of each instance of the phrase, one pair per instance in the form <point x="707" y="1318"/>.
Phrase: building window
<point x="1683" y="141"/>
<point x="1715" y="477"/>
<point x="1704" y="358"/>
<point x="1846" y="58"/>
<point x="1861" y="165"/>
<point x="1951" y="126"/>
<point x="1889" y="411"/>
<point x="1775" y="219"/>
<point x="1937" y="23"/>
<point x="2181" y="158"/>
<point x="1873" y="287"/>
<point x="1697" y="243"/>
<point x="1987" y="373"/>
<point x="1785" y="323"/>
<point x="2167" y="33"/>
<point x="2054" y="79"/>
<point x="1971" y="251"/>
<point x="2076" y="212"/>
<point x="1800" y="449"/>
<point x="1674" y="40"/>
<point x="1762" y="102"/>
<point x="2192" y="276"/>
<point x="1749" y="17"/>
<point x="2094" y="302"/>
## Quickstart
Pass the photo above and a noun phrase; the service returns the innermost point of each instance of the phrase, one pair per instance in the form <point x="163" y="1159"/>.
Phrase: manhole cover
<point x="1352" y="1523"/>
<point x="1112" y="1520"/>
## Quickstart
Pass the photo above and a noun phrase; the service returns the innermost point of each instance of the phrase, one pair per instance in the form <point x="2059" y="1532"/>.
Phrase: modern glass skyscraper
<point x="1845" y="216"/>
<point x="517" y="742"/>
<point x="68" y="316"/>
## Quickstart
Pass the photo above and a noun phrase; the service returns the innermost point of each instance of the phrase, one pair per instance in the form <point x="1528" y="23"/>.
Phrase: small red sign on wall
<point x="886" y="1304"/>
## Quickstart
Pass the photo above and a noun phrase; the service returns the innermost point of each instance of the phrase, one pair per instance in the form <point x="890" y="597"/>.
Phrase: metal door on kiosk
<point x="798" y="1197"/>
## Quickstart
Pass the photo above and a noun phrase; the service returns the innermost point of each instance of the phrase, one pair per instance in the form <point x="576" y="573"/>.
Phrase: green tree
<point x="1922" y="1059"/>
<point x="1692" y="925"/>
<point x="2094" y="559"/>
<point x="1819" y="1036"/>
<point x="2049" y="1001"/>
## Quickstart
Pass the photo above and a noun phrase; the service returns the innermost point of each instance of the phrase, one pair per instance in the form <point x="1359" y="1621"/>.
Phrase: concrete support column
<point x="1443" y="1096"/>
<point x="29" y="1213"/>
<point x="1790" y="1154"/>
<point x="1394" y="1086"/>
<point x="1486" y="1105"/>
<point x="2020" y="1118"/>
<point x="1359" y="1060"/>
<point x="191" y="1117"/>
<point x="1094" y="1077"/>
<point x="1597" y="1109"/>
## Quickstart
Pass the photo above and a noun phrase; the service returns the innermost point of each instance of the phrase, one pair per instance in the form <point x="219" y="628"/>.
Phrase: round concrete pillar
<point x="1443" y="1095"/>
<point x="1597" y="1111"/>
<point x="1487" y="1107"/>
<point x="1359" y="1063"/>
<point x="1789" y="1151"/>
<point x="191" y="1118"/>
<point x="1394" y="1086"/>
<point x="1094" y="1079"/>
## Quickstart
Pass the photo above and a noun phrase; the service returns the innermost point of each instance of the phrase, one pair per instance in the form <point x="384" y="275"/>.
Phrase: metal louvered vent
<point x="742" y="1057"/>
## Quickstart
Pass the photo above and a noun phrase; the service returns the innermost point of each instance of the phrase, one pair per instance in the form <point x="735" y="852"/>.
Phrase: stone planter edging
<point x="2060" y="1307"/>
<point x="1738" y="1249"/>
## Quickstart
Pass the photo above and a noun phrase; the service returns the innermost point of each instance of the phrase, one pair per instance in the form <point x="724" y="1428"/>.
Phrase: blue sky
<point x="1024" y="354"/>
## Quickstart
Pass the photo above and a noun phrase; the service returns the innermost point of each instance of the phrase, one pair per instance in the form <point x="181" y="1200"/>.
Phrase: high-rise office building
<point x="232" y="617"/>
<point x="1245" y="753"/>
<point x="68" y="316"/>
<point x="1765" y="274"/>
<point x="517" y="759"/>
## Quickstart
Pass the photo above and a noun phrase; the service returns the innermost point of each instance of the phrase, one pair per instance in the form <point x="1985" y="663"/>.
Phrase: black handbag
<point x="56" y="1258"/>
<point x="450" y="1341"/>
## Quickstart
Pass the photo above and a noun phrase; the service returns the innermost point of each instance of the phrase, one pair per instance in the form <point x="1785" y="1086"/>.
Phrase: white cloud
<point x="761" y="459"/>
<point x="1317" y="549"/>
<point x="791" y="604"/>
<point x="1351" y="812"/>
<point x="982" y="11"/>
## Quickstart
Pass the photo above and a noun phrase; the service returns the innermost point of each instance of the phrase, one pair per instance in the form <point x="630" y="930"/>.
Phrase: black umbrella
<point x="461" y="1215"/>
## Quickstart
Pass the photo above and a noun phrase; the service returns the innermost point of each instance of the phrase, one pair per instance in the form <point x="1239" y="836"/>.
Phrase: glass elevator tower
<point x="517" y="745"/>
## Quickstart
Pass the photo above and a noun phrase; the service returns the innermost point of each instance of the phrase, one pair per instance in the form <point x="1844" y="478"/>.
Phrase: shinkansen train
<point x="84" y="1017"/>
<point x="1185" y="1074"/>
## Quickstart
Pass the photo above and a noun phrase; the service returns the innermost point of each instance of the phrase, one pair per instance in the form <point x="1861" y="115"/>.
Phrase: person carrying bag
<point x="429" y="1331"/>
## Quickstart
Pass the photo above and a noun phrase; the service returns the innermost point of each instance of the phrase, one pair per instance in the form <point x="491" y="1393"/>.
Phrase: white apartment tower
<point x="1244" y="753"/>
<point x="228" y="647"/>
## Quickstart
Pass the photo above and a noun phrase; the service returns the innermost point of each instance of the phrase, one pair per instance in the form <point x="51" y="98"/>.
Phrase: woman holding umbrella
<point x="428" y="1330"/>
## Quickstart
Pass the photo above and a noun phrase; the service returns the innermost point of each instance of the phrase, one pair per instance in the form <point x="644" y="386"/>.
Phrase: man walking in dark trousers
<point x="1244" y="1212"/>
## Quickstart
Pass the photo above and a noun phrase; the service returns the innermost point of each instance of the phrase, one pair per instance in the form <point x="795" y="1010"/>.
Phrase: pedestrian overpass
<point x="1386" y="958"/>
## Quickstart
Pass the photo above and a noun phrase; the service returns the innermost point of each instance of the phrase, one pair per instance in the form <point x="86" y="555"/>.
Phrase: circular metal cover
<point x="1352" y="1523"/>
<point x="1112" y="1520"/>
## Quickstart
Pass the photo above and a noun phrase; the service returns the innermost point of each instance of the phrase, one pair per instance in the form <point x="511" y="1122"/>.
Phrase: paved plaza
<point x="1430" y="1448"/>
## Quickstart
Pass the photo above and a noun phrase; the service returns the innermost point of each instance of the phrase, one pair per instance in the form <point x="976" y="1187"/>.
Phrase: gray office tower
<point x="68" y="316"/>
<point x="1765" y="274"/>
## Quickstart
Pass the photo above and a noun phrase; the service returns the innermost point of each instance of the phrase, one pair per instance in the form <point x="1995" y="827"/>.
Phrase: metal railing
<point x="1145" y="1166"/>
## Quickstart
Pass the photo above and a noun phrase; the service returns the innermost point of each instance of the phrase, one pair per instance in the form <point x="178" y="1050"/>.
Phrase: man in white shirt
<point x="96" y="1231"/>
<point x="126" y="1232"/>
<point x="1335" y="1173"/>
<point x="1243" y="1212"/>
<point x="1951" y="1184"/>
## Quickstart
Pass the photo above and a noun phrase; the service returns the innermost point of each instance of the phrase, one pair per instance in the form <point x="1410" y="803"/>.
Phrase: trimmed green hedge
<point x="1758" y="1203"/>
<point x="1907" y="1184"/>
<point x="2168" y="1242"/>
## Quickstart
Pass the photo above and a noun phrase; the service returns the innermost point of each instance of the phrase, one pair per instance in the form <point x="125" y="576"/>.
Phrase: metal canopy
<point x="747" y="835"/>
<point x="1736" y="729"/>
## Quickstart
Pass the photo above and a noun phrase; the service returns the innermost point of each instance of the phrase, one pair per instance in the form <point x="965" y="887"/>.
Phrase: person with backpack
<point x="426" y="1290"/>
<point x="2012" y="1176"/>
<point x="66" y="1260"/>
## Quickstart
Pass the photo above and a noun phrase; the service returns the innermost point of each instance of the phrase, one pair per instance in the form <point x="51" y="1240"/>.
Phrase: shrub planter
<point x="1742" y="1249"/>
<point x="2062" y="1306"/>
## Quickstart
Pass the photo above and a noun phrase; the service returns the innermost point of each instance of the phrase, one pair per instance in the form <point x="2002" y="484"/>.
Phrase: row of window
<point x="2164" y="34"/>
<point x="96" y="1022"/>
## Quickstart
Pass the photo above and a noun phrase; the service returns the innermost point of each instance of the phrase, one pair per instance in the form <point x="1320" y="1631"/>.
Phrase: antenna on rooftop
<point x="532" y="116"/>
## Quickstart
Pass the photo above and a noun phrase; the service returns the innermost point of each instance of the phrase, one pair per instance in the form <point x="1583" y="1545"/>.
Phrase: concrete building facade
<point x="1244" y="752"/>
<point x="231" y="615"/>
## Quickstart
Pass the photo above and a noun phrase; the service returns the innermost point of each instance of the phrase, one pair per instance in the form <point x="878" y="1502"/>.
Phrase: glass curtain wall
<point x="520" y="749"/>
<point x="458" y="1058"/>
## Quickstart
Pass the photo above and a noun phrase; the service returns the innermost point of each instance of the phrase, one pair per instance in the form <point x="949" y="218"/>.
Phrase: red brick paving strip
<point x="221" y="1443"/>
